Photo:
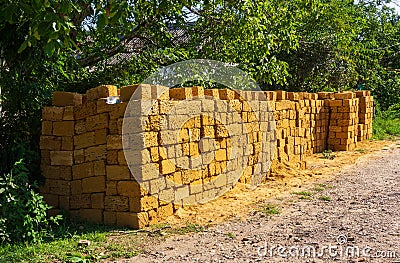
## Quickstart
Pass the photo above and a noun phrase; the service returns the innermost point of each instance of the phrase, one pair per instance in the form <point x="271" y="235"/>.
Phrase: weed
<point x="230" y="235"/>
<point x="189" y="228"/>
<point x="318" y="189"/>
<point x="321" y="187"/>
<point x="270" y="210"/>
<point x="62" y="247"/>
<point x="326" y="186"/>
<point x="23" y="211"/>
<point x="328" y="154"/>
<point x="324" y="198"/>
<point x="303" y="193"/>
<point x="386" y="125"/>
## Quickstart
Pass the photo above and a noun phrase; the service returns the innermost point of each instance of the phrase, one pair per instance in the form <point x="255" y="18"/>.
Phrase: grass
<point x="303" y="193"/>
<point x="230" y="235"/>
<point x="324" y="198"/>
<point x="109" y="243"/>
<point x="307" y="195"/>
<point x="318" y="189"/>
<point x="189" y="228"/>
<point x="324" y="186"/>
<point x="386" y="125"/>
<point x="270" y="210"/>
<point x="328" y="154"/>
<point x="63" y="247"/>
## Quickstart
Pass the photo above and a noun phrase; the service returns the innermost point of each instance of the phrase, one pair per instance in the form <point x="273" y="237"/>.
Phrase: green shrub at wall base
<point x="22" y="210"/>
<point x="386" y="124"/>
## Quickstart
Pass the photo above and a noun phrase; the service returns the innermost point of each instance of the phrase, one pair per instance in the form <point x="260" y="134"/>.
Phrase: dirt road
<point x="354" y="217"/>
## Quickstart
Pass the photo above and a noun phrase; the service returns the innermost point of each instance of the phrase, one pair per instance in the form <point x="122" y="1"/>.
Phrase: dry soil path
<point x="358" y="220"/>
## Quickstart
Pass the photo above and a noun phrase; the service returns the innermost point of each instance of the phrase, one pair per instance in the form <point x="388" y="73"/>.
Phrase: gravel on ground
<point x="352" y="217"/>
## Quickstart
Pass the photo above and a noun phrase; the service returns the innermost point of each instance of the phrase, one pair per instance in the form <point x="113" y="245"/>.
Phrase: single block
<point x="111" y="188"/>
<point x="101" y="92"/>
<point x="56" y="172"/>
<point x="99" y="167"/>
<point x="129" y="189"/>
<point x="116" y="203"/>
<point x="134" y="220"/>
<point x="59" y="187"/>
<point x="127" y="91"/>
<point x="147" y="92"/>
<point x="335" y="103"/>
<point x="110" y="218"/>
<point x="52" y="113"/>
<point x="91" y="215"/>
<point x="47" y="128"/>
<point x="84" y="140"/>
<point x="167" y="167"/>
<point x="50" y="143"/>
<point x="76" y="187"/>
<point x="114" y="142"/>
<point x="118" y="111"/>
<point x="61" y="98"/>
<point x="95" y="184"/>
<point x="61" y="158"/>
<point x="198" y="92"/>
<point x="83" y="170"/>
<point x="85" y="110"/>
<point x="68" y="113"/>
<point x="325" y="95"/>
<point x="63" y="201"/>
<point x="281" y="95"/>
<point x="165" y="211"/>
<point x="67" y="143"/>
<point x="95" y="153"/>
<point x="97" y="200"/>
<point x="103" y="107"/>
<point x="226" y="94"/>
<point x="63" y="128"/>
<point x="80" y="201"/>
<point x="345" y="95"/>
<point x="180" y="93"/>
<point x="117" y="172"/>
<point x="211" y="93"/>
<point x="96" y="122"/>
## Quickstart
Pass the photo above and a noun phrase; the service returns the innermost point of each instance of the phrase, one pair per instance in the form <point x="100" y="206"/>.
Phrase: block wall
<point x="88" y="175"/>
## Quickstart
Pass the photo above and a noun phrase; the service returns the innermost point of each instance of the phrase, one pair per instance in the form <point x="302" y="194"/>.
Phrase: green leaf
<point x="26" y="8"/>
<point x="102" y="20"/>
<point x="36" y="34"/>
<point x="8" y="13"/>
<point x="37" y="4"/>
<point x="23" y="46"/>
<point x="49" y="48"/>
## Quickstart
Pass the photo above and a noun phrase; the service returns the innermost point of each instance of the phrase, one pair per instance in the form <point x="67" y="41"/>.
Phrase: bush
<point x="23" y="211"/>
<point x="386" y="124"/>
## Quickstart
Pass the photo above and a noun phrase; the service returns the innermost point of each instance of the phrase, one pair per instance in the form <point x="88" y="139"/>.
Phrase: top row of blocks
<point x="151" y="92"/>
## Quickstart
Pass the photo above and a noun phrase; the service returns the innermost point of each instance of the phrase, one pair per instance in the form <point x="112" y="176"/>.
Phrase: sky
<point x="395" y="4"/>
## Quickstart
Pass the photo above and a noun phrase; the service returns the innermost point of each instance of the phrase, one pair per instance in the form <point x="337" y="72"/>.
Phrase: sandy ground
<point x="239" y="202"/>
<point x="353" y="215"/>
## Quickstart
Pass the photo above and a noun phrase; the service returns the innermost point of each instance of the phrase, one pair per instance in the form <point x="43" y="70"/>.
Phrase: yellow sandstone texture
<point x="87" y="171"/>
